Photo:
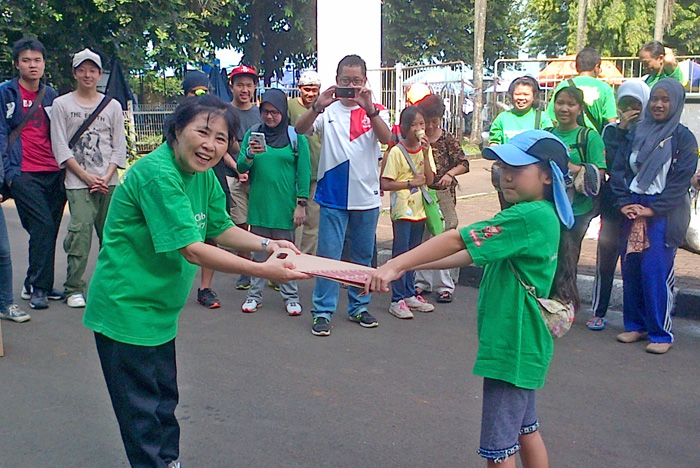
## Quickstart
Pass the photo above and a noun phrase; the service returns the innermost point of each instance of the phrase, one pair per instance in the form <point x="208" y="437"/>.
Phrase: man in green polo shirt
<point x="598" y="95"/>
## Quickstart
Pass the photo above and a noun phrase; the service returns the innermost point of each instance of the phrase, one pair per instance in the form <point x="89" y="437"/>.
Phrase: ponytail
<point x="564" y="287"/>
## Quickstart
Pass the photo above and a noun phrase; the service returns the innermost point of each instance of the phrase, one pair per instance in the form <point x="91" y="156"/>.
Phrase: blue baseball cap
<point x="534" y="146"/>
<point x="531" y="147"/>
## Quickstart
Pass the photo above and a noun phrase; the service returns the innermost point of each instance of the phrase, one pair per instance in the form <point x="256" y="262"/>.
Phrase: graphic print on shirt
<point x="478" y="236"/>
<point x="359" y="123"/>
<point x="87" y="150"/>
<point x="36" y="120"/>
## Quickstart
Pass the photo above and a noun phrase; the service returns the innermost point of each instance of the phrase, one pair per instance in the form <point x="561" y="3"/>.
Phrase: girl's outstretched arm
<point x="438" y="248"/>
<point x="459" y="259"/>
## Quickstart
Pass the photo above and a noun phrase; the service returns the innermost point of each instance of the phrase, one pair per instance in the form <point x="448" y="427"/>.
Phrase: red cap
<point x="243" y="70"/>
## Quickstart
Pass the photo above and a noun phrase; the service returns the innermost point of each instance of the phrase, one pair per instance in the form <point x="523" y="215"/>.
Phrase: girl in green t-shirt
<point x="524" y="95"/>
<point x="585" y="147"/>
<point x="515" y="346"/>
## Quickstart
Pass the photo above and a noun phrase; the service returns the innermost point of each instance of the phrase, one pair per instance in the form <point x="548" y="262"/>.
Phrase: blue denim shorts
<point x="507" y="413"/>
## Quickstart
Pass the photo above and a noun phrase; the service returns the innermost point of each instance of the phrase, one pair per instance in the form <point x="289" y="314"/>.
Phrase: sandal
<point x="422" y="292"/>
<point x="444" y="297"/>
<point x="596" y="323"/>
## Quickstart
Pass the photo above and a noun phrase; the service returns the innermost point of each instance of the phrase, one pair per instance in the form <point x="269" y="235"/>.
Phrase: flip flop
<point x="596" y="323"/>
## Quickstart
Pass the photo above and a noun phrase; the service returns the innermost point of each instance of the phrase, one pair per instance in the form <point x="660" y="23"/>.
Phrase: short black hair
<point x="655" y="48"/>
<point x="408" y="115"/>
<point x="431" y="106"/>
<point x="587" y="59"/>
<point x="526" y="81"/>
<point x="27" y="43"/>
<point x="193" y="106"/>
<point x="352" y="61"/>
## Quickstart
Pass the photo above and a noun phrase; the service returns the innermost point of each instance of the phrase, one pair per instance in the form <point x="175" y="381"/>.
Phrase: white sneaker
<point x="250" y="306"/>
<point x="419" y="303"/>
<point x="400" y="310"/>
<point x="76" y="301"/>
<point x="293" y="308"/>
<point x="26" y="295"/>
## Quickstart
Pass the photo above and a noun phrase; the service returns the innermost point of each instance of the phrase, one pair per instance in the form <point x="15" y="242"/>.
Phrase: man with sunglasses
<point x="196" y="83"/>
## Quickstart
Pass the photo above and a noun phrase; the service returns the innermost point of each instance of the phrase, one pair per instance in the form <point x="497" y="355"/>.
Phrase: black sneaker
<point x="321" y="327"/>
<point x="39" y="299"/>
<point x="208" y="298"/>
<point x="243" y="282"/>
<point x="365" y="319"/>
<point x="54" y="294"/>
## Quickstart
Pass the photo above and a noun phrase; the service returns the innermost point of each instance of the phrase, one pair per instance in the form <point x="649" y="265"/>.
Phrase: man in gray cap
<point x="91" y="155"/>
<point x="309" y="87"/>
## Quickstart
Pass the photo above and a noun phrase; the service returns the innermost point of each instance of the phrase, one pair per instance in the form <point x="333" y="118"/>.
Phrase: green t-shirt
<point x="507" y="124"/>
<point x="514" y="343"/>
<point x="295" y="110"/>
<point x="277" y="178"/>
<point x="141" y="281"/>
<point x="598" y="96"/>
<point x="595" y="149"/>
<point x="676" y="73"/>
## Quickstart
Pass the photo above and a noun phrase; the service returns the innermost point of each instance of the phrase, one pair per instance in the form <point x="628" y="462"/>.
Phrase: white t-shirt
<point x="103" y="142"/>
<point x="348" y="169"/>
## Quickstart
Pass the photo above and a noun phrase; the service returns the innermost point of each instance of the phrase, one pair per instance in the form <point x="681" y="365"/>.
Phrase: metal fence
<point x="446" y="79"/>
<point x="626" y="68"/>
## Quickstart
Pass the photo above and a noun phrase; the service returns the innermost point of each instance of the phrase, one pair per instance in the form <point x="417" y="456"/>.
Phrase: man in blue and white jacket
<point x="31" y="173"/>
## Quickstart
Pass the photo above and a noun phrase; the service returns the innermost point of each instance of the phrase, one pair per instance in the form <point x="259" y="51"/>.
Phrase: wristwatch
<point x="302" y="203"/>
<point x="313" y="108"/>
<point x="374" y="114"/>
<point x="265" y="242"/>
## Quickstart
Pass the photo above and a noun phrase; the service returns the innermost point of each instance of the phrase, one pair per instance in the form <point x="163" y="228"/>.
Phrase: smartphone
<point x="260" y="138"/>
<point x="345" y="92"/>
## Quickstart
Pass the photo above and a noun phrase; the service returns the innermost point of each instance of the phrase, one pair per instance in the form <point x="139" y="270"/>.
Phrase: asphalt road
<point x="259" y="390"/>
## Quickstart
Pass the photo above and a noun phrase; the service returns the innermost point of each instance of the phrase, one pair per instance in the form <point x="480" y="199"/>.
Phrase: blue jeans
<point x="5" y="265"/>
<point x="407" y="235"/>
<point x="360" y="225"/>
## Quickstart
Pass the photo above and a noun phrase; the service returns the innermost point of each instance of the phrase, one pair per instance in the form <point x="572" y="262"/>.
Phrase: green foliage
<point x="153" y="88"/>
<point x="159" y="34"/>
<point x="614" y="27"/>
<point x="420" y="31"/>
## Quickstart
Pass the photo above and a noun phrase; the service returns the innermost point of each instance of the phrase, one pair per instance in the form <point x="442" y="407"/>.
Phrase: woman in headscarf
<point x="280" y="174"/>
<point x="650" y="180"/>
<point x="632" y="98"/>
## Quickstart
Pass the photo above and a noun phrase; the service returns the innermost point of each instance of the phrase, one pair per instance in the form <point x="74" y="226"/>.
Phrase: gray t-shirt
<point x="100" y="145"/>
<point x="248" y="118"/>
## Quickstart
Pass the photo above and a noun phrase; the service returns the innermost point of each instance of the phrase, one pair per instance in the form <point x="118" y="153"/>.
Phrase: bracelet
<point x="375" y="113"/>
<point x="408" y="184"/>
<point x="451" y="176"/>
<point x="248" y="155"/>
<point x="313" y="108"/>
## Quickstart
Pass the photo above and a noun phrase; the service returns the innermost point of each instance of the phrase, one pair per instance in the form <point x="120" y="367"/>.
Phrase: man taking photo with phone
<point x="348" y="183"/>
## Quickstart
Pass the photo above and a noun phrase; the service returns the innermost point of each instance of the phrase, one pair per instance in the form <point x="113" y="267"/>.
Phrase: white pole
<point x="353" y="28"/>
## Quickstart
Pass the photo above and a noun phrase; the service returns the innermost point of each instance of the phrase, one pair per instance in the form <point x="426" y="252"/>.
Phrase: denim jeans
<point x="289" y="291"/>
<point x="360" y="226"/>
<point x="5" y="265"/>
<point x="407" y="235"/>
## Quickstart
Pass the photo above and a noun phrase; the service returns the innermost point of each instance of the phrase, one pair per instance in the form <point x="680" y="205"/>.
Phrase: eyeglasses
<point x="200" y="92"/>
<point x="355" y="81"/>
<point x="272" y="113"/>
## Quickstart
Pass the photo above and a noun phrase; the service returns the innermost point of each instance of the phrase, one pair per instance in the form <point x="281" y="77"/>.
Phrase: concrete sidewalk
<point x="477" y="200"/>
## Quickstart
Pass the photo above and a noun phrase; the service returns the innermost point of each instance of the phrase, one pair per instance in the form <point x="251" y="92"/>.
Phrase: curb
<point x="687" y="301"/>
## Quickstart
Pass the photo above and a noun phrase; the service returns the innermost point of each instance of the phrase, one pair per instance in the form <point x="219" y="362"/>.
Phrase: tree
<point x="479" y="35"/>
<point x="615" y="27"/>
<point x="269" y="32"/>
<point x="420" y="31"/>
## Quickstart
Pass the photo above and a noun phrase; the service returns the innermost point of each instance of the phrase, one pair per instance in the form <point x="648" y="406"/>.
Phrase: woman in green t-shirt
<point x="167" y="204"/>
<point x="280" y="174"/>
<point x="524" y="95"/>
<point x="586" y="151"/>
